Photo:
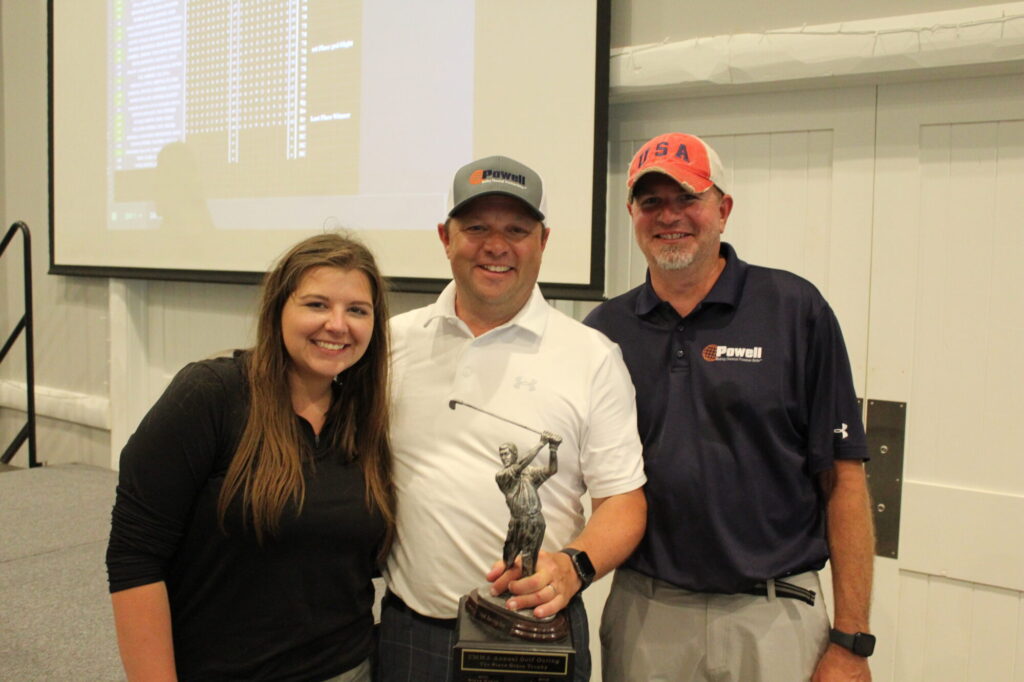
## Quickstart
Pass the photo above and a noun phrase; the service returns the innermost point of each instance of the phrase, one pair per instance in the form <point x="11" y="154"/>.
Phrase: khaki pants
<point x="652" y="631"/>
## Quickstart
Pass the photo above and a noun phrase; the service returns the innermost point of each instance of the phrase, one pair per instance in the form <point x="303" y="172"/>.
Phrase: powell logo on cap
<point x="481" y="176"/>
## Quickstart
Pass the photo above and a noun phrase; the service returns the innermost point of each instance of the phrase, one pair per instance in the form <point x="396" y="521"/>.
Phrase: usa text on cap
<point x="687" y="159"/>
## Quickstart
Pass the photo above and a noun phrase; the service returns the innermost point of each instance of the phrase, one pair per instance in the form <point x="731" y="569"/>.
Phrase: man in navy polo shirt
<point x="753" y="449"/>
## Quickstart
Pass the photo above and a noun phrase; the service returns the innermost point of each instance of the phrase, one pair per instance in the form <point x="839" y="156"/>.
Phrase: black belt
<point x="392" y="600"/>
<point x="782" y="589"/>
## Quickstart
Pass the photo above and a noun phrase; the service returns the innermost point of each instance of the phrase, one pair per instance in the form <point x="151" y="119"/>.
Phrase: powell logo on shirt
<point x="715" y="353"/>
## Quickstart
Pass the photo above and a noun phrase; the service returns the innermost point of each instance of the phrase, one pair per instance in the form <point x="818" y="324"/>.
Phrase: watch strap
<point x="860" y="643"/>
<point x="582" y="564"/>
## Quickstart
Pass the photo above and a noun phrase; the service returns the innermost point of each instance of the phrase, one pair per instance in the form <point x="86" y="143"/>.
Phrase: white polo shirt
<point x="541" y="369"/>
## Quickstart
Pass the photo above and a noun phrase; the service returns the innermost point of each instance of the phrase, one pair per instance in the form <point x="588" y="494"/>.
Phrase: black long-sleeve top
<point x="296" y="608"/>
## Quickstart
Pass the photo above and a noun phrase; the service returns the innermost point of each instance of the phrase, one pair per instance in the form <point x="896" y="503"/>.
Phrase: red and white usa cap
<point x="687" y="159"/>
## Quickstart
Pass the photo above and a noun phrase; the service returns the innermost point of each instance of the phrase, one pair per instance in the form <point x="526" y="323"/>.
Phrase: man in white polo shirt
<point x="492" y="342"/>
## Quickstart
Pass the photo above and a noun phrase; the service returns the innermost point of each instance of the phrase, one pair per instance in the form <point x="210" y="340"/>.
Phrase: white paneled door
<point x="947" y="337"/>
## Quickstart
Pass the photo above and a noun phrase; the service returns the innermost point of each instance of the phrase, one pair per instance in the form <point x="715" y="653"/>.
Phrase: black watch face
<point x="863" y="644"/>
<point x="585" y="567"/>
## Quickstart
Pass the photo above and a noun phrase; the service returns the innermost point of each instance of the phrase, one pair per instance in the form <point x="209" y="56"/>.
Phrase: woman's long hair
<point x="267" y="467"/>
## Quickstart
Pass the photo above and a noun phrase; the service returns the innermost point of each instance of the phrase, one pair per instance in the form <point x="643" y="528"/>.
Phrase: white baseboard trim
<point x="56" y="403"/>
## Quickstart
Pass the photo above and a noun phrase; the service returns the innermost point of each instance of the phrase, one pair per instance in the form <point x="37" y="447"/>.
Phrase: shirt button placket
<point x="679" y="353"/>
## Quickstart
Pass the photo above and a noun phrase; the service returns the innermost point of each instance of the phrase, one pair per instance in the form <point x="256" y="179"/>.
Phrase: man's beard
<point x="672" y="257"/>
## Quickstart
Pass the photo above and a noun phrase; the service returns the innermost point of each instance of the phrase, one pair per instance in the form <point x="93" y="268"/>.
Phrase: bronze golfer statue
<point x="519" y="482"/>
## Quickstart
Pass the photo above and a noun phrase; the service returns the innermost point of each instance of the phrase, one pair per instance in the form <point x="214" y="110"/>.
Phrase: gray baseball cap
<point x="497" y="175"/>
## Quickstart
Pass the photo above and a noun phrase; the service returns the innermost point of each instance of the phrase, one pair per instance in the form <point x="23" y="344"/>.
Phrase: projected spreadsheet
<point x="254" y="98"/>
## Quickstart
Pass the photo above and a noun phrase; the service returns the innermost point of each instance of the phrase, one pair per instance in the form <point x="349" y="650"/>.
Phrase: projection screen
<point x="198" y="139"/>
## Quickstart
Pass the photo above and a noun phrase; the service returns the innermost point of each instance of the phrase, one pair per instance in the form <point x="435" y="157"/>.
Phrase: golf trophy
<point x="493" y="642"/>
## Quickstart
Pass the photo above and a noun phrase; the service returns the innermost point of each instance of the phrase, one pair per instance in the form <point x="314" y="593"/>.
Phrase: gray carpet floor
<point x="55" y="616"/>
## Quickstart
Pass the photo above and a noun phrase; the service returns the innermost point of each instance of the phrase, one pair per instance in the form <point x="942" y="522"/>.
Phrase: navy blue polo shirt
<point x="740" y="405"/>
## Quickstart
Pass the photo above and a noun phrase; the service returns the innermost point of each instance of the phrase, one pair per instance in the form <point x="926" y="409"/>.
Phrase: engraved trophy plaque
<point x="494" y="643"/>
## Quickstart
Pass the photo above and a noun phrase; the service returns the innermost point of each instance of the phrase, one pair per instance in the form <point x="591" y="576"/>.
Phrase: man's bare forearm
<point x="851" y="546"/>
<point x="615" y="528"/>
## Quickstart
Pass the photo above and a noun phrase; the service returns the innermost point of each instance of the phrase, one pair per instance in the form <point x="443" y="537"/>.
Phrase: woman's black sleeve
<point x="163" y="467"/>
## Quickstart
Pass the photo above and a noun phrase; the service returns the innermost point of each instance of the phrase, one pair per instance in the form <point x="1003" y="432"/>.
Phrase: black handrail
<point x="28" y="431"/>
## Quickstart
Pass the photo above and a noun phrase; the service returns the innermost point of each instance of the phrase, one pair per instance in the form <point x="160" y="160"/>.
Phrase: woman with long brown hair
<point x="256" y="497"/>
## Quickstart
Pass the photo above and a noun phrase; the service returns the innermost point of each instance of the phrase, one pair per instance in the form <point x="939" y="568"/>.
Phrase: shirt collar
<point x="727" y="288"/>
<point x="532" y="317"/>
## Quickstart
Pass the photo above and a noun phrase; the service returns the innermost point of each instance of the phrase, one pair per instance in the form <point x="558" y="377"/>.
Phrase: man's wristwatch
<point x="581" y="562"/>
<point x="860" y="643"/>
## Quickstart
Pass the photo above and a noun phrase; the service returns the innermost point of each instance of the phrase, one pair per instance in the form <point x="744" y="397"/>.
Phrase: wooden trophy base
<point x="494" y="644"/>
<point x="491" y="611"/>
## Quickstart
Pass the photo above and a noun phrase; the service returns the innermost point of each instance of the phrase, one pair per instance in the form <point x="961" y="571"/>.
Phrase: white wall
<point x="70" y="330"/>
<point x="3" y="192"/>
<point x="638" y="22"/>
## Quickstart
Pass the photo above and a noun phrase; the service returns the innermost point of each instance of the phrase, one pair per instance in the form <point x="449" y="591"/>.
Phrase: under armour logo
<point x="530" y="384"/>
<point x="842" y="430"/>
